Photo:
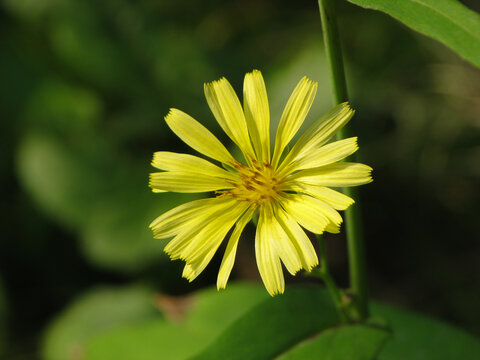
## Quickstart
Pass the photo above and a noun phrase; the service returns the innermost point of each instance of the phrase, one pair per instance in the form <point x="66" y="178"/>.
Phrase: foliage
<point x="416" y="337"/>
<point x="360" y="342"/>
<point x="448" y="21"/>
<point x="133" y="328"/>
<point x="98" y="311"/>
<point x="85" y="85"/>
<point x="242" y="322"/>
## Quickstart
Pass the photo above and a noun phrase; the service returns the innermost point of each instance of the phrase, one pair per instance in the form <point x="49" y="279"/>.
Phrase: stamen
<point x="258" y="184"/>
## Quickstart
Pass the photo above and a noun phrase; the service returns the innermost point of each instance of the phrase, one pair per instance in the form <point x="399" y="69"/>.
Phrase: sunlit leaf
<point x="101" y="196"/>
<point x="419" y="337"/>
<point x="353" y="342"/>
<point x="204" y="317"/>
<point x="94" y="313"/>
<point x="448" y="21"/>
<point x="58" y="179"/>
<point x="242" y="322"/>
<point x="274" y="326"/>
<point x="150" y="340"/>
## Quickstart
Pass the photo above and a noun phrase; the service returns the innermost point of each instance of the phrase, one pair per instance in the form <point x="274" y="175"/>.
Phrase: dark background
<point x="84" y="86"/>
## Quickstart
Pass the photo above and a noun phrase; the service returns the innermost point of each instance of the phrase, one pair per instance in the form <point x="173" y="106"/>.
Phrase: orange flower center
<point x="257" y="184"/>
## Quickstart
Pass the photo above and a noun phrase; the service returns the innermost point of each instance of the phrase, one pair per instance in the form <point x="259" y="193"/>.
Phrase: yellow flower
<point x="289" y="192"/>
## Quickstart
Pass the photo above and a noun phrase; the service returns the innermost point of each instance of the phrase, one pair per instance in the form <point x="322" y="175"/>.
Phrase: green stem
<point x="353" y="224"/>
<point x="324" y="274"/>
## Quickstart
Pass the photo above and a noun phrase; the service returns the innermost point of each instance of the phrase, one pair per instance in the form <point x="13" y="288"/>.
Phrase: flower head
<point x="290" y="191"/>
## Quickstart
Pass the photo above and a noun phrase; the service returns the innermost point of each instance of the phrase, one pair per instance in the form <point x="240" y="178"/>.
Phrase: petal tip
<point x="221" y="286"/>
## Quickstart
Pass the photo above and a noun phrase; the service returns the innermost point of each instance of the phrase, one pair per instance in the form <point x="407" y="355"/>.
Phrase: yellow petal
<point x="191" y="271"/>
<point x="205" y="216"/>
<point x="229" y="256"/>
<point x="257" y="113"/>
<point x="187" y="182"/>
<point x="157" y="191"/>
<point x="340" y="174"/>
<point x="197" y="136"/>
<point x="171" y="222"/>
<point x="283" y="246"/>
<point x="228" y="111"/>
<point x="268" y="261"/>
<point x="299" y="239"/>
<point x="331" y="197"/>
<point x="212" y="234"/>
<point x="296" y="110"/>
<point x="321" y="131"/>
<point x="312" y="214"/>
<point x="315" y="222"/>
<point x="165" y="160"/>
<point x="205" y="244"/>
<point x="327" y="154"/>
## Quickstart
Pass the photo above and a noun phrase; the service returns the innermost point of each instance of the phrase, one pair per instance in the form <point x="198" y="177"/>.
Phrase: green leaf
<point x="355" y="342"/>
<point x="293" y="324"/>
<point x="94" y="313"/>
<point x="447" y="21"/>
<point x="58" y="178"/>
<point x="90" y="188"/>
<point x="211" y="313"/>
<point x="419" y="337"/>
<point x="117" y="236"/>
<point x="151" y="340"/>
<point x="274" y="326"/>
<point x="215" y="310"/>
<point x="242" y="322"/>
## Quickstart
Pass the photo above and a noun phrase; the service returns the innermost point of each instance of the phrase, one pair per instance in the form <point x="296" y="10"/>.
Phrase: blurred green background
<point x="83" y="91"/>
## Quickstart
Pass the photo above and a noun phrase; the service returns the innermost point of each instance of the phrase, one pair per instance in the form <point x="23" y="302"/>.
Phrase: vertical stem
<point x="353" y="224"/>
<point x="333" y="50"/>
<point x="324" y="274"/>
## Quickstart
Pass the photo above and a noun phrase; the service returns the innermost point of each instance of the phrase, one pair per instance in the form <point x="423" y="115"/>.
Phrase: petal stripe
<point x="187" y="182"/>
<point x="171" y="161"/>
<point x="228" y="111"/>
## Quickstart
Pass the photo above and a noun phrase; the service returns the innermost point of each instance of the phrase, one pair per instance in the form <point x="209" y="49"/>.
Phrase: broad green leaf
<point x="150" y="340"/>
<point x="211" y="312"/>
<point x="58" y="179"/>
<point x="242" y="322"/>
<point x="297" y="320"/>
<point x="419" y="337"/>
<point x="215" y="310"/>
<point x="81" y="178"/>
<point x="96" y="312"/>
<point x="447" y="21"/>
<point x="355" y="342"/>
<point x="98" y="194"/>
<point x="274" y="326"/>
<point x="117" y="236"/>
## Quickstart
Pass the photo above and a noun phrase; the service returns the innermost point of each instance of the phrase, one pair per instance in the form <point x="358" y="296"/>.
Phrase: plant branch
<point x="353" y="224"/>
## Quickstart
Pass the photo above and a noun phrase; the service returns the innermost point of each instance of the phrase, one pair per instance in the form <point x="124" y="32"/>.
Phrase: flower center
<point x="257" y="184"/>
